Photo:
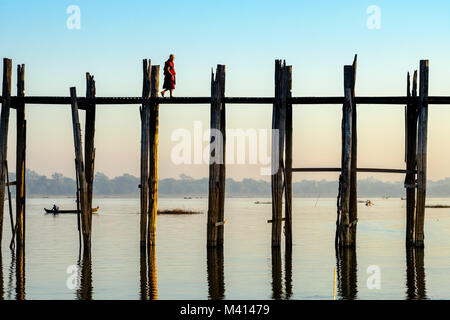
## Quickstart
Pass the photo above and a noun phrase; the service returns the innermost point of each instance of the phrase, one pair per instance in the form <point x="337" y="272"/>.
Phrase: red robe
<point x="169" y="75"/>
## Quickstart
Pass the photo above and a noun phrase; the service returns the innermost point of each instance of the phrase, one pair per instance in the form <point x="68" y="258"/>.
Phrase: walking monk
<point x="169" y="76"/>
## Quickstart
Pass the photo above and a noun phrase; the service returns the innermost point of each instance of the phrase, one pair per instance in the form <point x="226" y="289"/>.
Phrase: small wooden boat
<point x="94" y="210"/>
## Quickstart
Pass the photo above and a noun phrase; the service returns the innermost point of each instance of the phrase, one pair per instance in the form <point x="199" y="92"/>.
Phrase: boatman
<point x="169" y="76"/>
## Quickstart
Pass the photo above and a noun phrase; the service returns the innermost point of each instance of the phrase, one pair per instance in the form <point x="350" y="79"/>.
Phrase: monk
<point x="169" y="76"/>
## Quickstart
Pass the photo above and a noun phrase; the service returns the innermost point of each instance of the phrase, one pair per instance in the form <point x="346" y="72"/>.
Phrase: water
<point x="181" y="267"/>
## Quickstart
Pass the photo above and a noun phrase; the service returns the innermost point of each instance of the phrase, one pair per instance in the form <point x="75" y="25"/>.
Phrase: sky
<point x="316" y="37"/>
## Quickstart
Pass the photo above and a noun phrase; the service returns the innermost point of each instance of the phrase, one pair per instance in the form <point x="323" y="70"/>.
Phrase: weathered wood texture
<point x="387" y="100"/>
<point x="411" y="161"/>
<point x="20" y="160"/>
<point x="344" y="228"/>
<point x="353" y="210"/>
<point x="145" y="131"/>
<point x="278" y="137"/>
<point x="85" y="216"/>
<point x="287" y="88"/>
<point x="216" y="195"/>
<point x="422" y="154"/>
<point x="89" y="144"/>
<point x="4" y="124"/>
<point x="153" y="148"/>
<point x="222" y="176"/>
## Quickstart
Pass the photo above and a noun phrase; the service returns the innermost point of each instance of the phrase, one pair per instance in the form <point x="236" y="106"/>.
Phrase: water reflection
<point x="346" y="269"/>
<point x="85" y="289"/>
<point x="20" y="272"/>
<point x="277" y="278"/>
<point x="415" y="274"/>
<point x="216" y="278"/>
<point x="2" y="290"/>
<point x="148" y="274"/>
<point x="277" y="288"/>
<point x="288" y="273"/>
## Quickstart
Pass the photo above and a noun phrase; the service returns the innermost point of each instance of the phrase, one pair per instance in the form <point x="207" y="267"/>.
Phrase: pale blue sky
<point x="316" y="37"/>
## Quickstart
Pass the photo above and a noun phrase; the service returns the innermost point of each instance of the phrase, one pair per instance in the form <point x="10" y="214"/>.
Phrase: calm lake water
<point x="182" y="268"/>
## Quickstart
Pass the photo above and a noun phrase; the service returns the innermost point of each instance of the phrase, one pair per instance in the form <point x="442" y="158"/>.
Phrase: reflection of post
<point x="2" y="290"/>
<point x="149" y="279"/>
<point x="216" y="279"/>
<point x="84" y="292"/>
<point x="415" y="274"/>
<point x="276" y="273"/>
<point x="143" y="274"/>
<point x="20" y="272"/>
<point x="347" y="273"/>
<point x="288" y="272"/>
<point x="152" y="274"/>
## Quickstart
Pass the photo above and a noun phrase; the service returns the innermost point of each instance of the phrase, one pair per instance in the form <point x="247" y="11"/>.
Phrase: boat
<point x="94" y="210"/>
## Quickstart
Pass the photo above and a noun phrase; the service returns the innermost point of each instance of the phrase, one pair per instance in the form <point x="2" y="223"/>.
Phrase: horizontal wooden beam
<point x="380" y="170"/>
<point x="438" y="100"/>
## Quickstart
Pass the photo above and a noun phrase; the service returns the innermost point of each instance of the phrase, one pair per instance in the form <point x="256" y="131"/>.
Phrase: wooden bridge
<point x="416" y="101"/>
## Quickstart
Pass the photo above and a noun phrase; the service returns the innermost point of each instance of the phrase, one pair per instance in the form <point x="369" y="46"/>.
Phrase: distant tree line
<point x="127" y="185"/>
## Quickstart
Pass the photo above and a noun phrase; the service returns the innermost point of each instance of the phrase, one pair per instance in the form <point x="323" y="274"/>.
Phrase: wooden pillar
<point x="278" y="126"/>
<point x="411" y="161"/>
<point x="222" y="165"/>
<point x="89" y="143"/>
<point x="145" y="131"/>
<point x="153" y="147"/>
<point x="353" y="210"/>
<point x="4" y="124"/>
<point x="422" y="154"/>
<point x="216" y="194"/>
<point x="86" y="230"/>
<point x="287" y="87"/>
<point x="344" y="232"/>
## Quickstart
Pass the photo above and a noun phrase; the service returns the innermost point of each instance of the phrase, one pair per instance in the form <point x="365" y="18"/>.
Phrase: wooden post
<point x="80" y="170"/>
<point x="411" y="161"/>
<point x="353" y="209"/>
<point x="145" y="131"/>
<point x="4" y="124"/>
<point x="287" y="79"/>
<point x="278" y="126"/>
<point x="422" y="154"/>
<point x="216" y="195"/>
<point x="89" y="143"/>
<point x="20" y="159"/>
<point x="154" y="141"/>
<point x="222" y="165"/>
<point x="344" y="228"/>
